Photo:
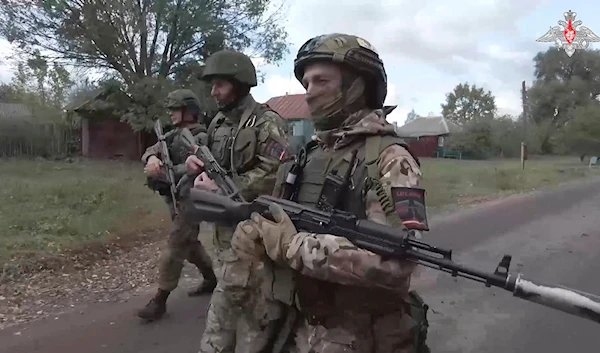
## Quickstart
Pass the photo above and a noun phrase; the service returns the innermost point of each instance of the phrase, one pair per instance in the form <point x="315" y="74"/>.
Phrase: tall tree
<point x="42" y="87"/>
<point x="146" y="42"/>
<point x="467" y="103"/>
<point x="582" y="133"/>
<point x="561" y="85"/>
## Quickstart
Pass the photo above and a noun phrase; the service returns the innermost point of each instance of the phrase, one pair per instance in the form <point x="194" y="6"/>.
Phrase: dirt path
<point x="553" y="237"/>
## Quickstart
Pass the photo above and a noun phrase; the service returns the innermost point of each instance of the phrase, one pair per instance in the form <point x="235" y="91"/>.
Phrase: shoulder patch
<point x="276" y="149"/>
<point x="409" y="204"/>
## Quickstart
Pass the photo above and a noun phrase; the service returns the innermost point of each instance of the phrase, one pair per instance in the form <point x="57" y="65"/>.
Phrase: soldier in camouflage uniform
<point x="350" y="299"/>
<point x="248" y="140"/>
<point x="183" y="241"/>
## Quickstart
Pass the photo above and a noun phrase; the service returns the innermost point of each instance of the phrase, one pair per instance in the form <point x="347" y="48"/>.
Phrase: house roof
<point x="78" y="103"/>
<point x="428" y="126"/>
<point x="290" y="107"/>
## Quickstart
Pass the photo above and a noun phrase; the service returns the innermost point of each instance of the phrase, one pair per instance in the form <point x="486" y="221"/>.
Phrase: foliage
<point x="475" y="139"/>
<point x="42" y="87"/>
<point x="562" y="86"/>
<point x="500" y="136"/>
<point x="467" y="103"/>
<point x="38" y="129"/>
<point x="149" y="44"/>
<point x="582" y="133"/>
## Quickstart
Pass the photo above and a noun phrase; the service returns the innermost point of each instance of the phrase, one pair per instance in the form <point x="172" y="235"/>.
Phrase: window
<point x="440" y="141"/>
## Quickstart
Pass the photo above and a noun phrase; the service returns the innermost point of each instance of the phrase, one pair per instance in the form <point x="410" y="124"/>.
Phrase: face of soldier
<point x="176" y="116"/>
<point x="323" y="84"/>
<point x="222" y="91"/>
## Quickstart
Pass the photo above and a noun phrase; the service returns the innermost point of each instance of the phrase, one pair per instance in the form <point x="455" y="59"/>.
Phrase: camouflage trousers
<point x="239" y="318"/>
<point x="356" y="332"/>
<point x="182" y="245"/>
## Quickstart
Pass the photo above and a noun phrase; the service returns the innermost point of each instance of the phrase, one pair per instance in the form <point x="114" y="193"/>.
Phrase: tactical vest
<point x="223" y="132"/>
<point x="178" y="155"/>
<point x="224" y="136"/>
<point x="318" y="298"/>
<point x="320" y="301"/>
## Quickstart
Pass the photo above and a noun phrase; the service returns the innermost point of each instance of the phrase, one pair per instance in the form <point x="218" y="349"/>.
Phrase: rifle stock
<point x="390" y="243"/>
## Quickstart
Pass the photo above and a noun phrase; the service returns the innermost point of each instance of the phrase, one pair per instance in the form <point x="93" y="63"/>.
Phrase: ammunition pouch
<point x="418" y="312"/>
<point x="244" y="150"/>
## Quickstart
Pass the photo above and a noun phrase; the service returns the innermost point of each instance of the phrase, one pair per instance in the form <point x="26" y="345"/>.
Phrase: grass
<point x="451" y="181"/>
<point x="52" y="208"/>
<point x="49" y="207"/>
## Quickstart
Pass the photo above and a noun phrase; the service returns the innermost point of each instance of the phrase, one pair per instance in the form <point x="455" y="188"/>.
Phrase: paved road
<point x="554" y="237"/>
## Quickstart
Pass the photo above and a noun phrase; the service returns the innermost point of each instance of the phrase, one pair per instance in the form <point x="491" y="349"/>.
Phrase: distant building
<point x="426" y="134"/>
<point x="294" y="110"/>
<point x="103" y="134"/>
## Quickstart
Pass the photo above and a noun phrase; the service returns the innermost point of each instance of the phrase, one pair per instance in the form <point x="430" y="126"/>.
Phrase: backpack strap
<point x="217" y="120"/>
<point x="248" y="117"/>
<point x="372" y="152"/>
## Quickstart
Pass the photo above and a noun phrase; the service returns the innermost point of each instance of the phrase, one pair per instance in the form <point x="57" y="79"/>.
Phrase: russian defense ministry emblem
<point x="570" y="35"/>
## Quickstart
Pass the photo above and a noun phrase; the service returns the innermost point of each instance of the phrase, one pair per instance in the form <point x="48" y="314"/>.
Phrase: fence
<point x="28" y="139"/>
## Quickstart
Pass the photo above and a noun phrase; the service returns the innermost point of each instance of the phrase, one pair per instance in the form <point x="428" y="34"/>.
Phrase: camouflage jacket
<point x="335" y="259"/>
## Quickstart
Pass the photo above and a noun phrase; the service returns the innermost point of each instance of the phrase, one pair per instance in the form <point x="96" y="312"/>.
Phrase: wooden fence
<point x="29" y="139"/>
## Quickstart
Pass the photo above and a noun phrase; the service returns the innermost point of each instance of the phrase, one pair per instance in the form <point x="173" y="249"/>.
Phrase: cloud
<point x="278" y="85"/>
<point x="429" y="46"/>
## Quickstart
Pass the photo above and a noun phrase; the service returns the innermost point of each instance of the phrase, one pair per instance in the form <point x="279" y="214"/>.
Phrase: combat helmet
<point x="351" y="51"/>
<point x="183" y="98"/>
<point x="230" y="64"/>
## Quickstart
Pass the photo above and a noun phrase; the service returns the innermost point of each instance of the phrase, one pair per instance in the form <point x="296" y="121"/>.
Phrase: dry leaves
<point x="38" y="295"/>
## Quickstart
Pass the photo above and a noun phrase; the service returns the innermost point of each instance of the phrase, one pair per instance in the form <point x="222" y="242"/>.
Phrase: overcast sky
<point x="429" y="46"/>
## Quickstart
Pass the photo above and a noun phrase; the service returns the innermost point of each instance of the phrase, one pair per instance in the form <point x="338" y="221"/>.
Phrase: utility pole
<point x="524" y="143"/>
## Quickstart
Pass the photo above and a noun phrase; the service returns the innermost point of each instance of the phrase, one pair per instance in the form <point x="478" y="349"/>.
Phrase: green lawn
<point x="450" y="181"/>
<point x="47" y="207"/>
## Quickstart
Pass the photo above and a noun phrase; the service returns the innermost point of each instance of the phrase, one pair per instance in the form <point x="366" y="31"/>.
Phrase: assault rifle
<point x="211" y="167"/>
<point x="166" y="159"/>
<point x="389" y="243"/>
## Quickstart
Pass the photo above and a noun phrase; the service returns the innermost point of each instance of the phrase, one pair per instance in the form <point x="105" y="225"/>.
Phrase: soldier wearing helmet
<point x="182" y="244"/>
<point x="247" y="139"/>
<point x="349" y="299"/>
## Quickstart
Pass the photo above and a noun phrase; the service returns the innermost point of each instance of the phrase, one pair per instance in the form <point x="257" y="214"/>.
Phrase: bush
<point x="501" y="136"/>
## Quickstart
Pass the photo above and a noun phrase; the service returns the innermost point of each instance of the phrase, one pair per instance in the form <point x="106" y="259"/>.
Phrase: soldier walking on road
<point x="248" y="140"/>
<point x="183" y="243"/>
<point x="349" y="299"/>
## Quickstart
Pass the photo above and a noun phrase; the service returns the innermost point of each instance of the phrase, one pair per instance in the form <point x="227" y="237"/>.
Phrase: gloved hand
<point x="274" y="236"/>
<point x="247" y="243"/>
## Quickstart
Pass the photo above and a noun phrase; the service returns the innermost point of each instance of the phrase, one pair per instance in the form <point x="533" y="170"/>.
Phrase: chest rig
<point x="234" y="146"/>
<point x="341" y="179"/>
<point x="223" y="133"/>
<point x="338" y="179"/>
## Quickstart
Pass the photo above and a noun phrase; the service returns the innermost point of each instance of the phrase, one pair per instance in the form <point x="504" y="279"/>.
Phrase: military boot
<point x="156" y="307"/>
<point x="208" y="284"/>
